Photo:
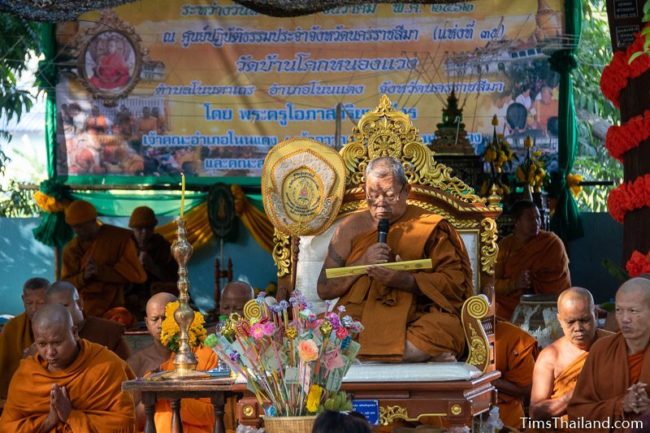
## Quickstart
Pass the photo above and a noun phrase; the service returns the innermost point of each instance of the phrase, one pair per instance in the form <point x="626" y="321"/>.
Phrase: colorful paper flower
<point x="308" y="350"/>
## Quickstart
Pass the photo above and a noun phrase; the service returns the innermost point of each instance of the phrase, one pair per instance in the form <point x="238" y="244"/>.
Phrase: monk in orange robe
<point x="530" y="260"/>
<point x="70" y="385"/>
<point x="107" y="333"/>
<point x="559" y="365"/>
<point x="613" y="384"/>
<point x="407" y="316"/>
<point x="16" y="336"/>
<point x="515" y="351"/>
<point x="100" y="261"/>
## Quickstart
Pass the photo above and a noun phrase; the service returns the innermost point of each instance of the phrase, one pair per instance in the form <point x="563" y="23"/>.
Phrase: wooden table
<point x="174" y="391"/>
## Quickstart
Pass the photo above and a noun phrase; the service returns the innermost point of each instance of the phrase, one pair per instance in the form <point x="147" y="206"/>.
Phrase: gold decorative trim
<point x="489" y="247"/>
<point x="390" y="414"/>
<point x="477" y="349"/>
<point x="389" y="132"/>
<point x="477" y="307"/>
<point x="474" y="309"/>
<point x="282" y="252"/>
<point x="248" y="411"/>
<point x="456" y="409"/>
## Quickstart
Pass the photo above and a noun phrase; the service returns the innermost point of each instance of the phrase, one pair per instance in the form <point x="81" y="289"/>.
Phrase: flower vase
<point x="289" y="424"/>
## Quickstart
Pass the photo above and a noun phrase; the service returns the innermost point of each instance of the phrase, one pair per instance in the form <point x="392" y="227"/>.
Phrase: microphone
<point x="382" y="230"/>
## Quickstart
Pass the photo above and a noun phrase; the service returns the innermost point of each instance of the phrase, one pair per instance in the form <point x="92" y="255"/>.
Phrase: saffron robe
<point x="107" y="333"/>
<point x="544" y="256"/>
<point x="515" y="351"/>
<point x="116" y="257"/>
<point x="603" y="382"/>
<point x="111" y="73"/>
<point x="197" y="414"/>
<point x="429" y="320"/>
<point x="94" y="385"/>
<point x="16" y="336"/>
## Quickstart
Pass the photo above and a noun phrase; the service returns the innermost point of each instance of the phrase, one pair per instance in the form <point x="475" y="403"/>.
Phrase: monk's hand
<point x="642" y="400"/>
<point x="61" y="402"/>
<point x="522" y="282"/>
<point x="631" y="400"/>
<point x="90" y="271"/>
<point x="377" y="253"/>
<point x="400" y="280"/>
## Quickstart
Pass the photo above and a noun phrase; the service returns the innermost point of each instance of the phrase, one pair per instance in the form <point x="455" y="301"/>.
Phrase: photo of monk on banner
<point x="109" y="61"/>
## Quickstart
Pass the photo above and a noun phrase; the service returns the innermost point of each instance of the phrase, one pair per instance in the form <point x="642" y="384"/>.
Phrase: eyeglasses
<point x="389" y="196"/>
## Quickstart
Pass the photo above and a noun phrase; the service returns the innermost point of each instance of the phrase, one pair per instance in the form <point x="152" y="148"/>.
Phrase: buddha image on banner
<point x="209" y="87"/>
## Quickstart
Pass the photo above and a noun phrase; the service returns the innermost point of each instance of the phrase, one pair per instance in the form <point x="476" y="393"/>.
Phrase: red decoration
<point x="621" y="139"/>
<point x="628" y="197"/>
<point x="616" y="75"/>
<point x="638" y="264"/>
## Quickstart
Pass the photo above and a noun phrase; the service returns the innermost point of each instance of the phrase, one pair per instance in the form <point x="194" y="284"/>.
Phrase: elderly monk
<point x="16" y="336"/>
<point x="155" y="255"/>
<point x="70" y="385"/>
<point x="559" y="365"/>
<point x="234" y="297"/>
<point x="613" y="382"/>
<point x="408" y="316"/>
<point x="515" y="351"/>
<point x="95" y="329"/>
<point x="100" y="261"/>
<point x="530" y="260"/>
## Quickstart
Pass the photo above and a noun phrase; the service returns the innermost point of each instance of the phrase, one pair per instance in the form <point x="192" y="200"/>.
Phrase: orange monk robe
<point x="430" y="320"/>
<point x="94" y="385"/>
<point x="515" y="351"/>
<point x="197" y="414"/>
<point x="116" y="257"/>
<point x="544" y="256"/>
<point x="16" y="336"/>
<point x="566" y="381"/>
<point x="604" y="380"/>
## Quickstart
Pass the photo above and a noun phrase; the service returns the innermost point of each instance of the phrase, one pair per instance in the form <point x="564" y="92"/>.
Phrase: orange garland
<point x="628" y="197"/>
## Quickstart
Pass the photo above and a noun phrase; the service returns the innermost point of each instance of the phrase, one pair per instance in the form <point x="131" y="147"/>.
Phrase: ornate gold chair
<point x="457" y="391"/>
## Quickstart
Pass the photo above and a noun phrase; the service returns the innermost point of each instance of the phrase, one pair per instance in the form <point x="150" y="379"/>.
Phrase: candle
<point x="182" y="194"/>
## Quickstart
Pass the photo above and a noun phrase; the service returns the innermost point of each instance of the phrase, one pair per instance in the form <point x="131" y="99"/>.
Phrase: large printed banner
<point x="155" y="88"/>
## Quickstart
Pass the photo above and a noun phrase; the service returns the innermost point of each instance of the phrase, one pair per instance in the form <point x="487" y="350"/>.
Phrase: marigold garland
<point x="171" y="332"/>
<point x="621" y="139"/>
<point x="573" y="182"/>
<point x="616" y="75"/>
<point x="628" y="197"/>
<point x="638" y="264"/>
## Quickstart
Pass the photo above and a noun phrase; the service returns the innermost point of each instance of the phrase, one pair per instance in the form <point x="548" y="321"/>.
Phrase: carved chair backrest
<point x="388" y="132"/>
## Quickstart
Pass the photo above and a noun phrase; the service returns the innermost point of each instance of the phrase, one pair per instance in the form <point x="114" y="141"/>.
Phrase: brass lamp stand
<point x="184" y="361"/>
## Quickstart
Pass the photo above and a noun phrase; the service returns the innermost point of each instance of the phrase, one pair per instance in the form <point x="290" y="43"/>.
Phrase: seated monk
<point x="70" y="385"/>
<point x="559" y="365"/>
<point x="407" y="316"/>
<point x="100" y="261"/>
<point x="16" y="336"/>
<point x="234" y="297"/>
<point x="613" y="383"/>
<point x="155" y="255"/>
<point x="197" y="414"/>
<point x="530" y="260"/>
<point x="101" y="331"/>
<point x="514" y="353"/>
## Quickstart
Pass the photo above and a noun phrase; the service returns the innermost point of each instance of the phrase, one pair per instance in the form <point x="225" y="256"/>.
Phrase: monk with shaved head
<point x="558" y="366"/>
<point x="614" y="382"/>
<point x="234" y="297"/>
<point x="69" y="385"/>
<point x="101" y="331"/>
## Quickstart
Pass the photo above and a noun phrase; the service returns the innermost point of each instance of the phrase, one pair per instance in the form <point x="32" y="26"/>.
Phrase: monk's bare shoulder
<point x="551" y="352"/>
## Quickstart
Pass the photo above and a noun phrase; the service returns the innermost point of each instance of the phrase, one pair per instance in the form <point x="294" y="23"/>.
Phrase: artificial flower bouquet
<point x="531" y="170"/>
<point x="292" y="360"/>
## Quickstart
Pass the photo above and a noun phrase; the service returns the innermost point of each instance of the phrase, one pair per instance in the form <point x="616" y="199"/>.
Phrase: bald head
<point x="575" y="312"/>
<point x="234" y="296"/>
<point x="66" y="294"/>
<point x="639" y="285"/>
<point x="633" y="313"/>
<point x="156" y="313"/>
<point x="55" y="336"/>
<point x="34" y="295"/>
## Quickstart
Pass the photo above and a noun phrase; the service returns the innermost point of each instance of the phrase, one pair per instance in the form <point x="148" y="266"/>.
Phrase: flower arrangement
<point x="169" y="336"/>
<point x="531" y="170"/>
<point x="573" y="182"/>
<point x="294" y="367"/>
<point x="621" y="139"/>
<point x="499" y="155"/>
<point x="638" y="264"/>
<point x="628" y="197"/>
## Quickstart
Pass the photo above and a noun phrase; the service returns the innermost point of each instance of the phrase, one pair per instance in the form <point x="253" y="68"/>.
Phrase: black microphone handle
<point x="382" y="237"/>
